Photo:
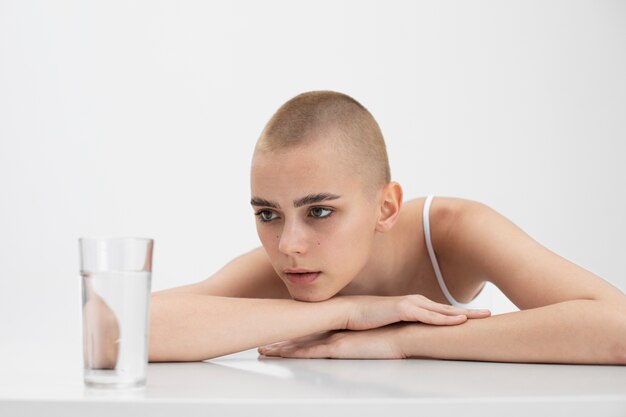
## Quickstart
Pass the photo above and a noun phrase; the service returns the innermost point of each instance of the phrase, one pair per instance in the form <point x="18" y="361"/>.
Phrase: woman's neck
<point x="394" y="266"/>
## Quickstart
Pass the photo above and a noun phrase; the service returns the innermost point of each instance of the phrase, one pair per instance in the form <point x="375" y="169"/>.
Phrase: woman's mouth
<point x="302" y="277"/>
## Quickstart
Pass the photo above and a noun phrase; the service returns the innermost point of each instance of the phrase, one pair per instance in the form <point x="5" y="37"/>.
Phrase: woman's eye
<point x="266" y="215"/>
<point x="320" y="212"/>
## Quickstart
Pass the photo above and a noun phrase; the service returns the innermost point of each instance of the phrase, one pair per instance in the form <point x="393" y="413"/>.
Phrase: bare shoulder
<point x="480" y="239"/>
<point x="444" y="212"/>
<point x="249" y="275"/>
<point x="442" y="207"/>
<point x="463" y="282"/>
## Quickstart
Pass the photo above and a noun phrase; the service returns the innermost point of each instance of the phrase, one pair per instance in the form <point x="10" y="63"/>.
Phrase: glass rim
<point x="113" y="238"/>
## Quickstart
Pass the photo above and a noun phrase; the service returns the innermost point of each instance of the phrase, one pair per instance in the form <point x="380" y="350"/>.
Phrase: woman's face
<point x="314" y="218"/>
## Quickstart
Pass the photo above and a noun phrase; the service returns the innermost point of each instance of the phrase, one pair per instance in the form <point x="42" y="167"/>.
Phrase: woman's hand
<point x="370" y="312"/>
<point x="380" y="343"/>
<point x="374" y="326"/>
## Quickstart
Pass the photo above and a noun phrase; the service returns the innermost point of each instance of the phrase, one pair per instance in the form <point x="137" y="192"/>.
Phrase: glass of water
<point x="116" y="281"/>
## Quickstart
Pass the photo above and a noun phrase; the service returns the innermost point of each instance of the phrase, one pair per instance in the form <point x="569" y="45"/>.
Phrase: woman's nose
<point x="292" y="240"/>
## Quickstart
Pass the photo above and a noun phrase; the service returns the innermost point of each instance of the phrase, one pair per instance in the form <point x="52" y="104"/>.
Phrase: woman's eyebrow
<point x="256" y="201"/>
<point x="309" y="199"/>
<point x="314" y="198"/>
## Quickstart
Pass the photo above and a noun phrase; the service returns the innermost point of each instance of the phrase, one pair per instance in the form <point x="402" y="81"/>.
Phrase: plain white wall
<point x="139" y="118"/>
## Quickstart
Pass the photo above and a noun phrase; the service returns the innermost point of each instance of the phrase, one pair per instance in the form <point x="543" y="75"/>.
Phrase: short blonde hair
<point x="318" y="115"/>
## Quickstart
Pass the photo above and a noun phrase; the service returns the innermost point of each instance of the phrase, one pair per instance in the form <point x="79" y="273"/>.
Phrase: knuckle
<point x="405" y="303"/>
<point x="407" y="309"/>
<point x="416" y="298"/>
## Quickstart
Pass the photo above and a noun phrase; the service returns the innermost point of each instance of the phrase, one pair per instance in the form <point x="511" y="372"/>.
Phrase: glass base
<point x="135" y="384"/>
<point x="112" y="379"/>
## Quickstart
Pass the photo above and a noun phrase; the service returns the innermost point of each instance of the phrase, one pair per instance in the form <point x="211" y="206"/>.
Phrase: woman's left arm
<point x="576" y="332"/>
<point x="568" y="314"/>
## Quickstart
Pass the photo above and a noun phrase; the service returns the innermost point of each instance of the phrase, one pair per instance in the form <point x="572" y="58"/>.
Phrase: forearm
<point x="194" y="327"/>
<point x="578" y="332"/>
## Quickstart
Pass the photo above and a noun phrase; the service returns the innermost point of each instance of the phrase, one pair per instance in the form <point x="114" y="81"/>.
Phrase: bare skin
<point x="374" y="292"/>
<point x="568" y="314"/>
<point x="101" y="332"/>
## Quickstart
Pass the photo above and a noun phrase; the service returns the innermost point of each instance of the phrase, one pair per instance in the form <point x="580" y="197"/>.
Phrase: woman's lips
<point x="302" y="278"/>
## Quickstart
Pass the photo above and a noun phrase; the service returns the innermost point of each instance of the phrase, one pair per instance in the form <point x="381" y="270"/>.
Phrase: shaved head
<point x="337" y="121"/>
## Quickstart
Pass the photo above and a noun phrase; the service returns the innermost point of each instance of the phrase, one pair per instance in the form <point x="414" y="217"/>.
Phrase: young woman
<point x="349" y="270"/>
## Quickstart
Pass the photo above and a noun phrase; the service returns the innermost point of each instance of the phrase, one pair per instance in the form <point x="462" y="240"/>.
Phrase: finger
<point x="268" y="352"/>
<point x="306" y="339"/>
<point x="304" y="352"/>
<point x="452" y="310"/>
<point x="455" y="311"/>
<point x="478" y="314"/>
<point x="432" y="317"/>
<point x="414" y="309"/>
<point x="279" y="351"/>
<point x="271" y="350"/>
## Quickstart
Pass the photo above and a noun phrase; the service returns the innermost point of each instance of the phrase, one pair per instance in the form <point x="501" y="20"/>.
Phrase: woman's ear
<point x="390" y="204"/>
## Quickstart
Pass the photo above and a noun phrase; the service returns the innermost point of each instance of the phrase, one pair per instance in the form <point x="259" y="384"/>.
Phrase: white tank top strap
<point x="433" y="258"/>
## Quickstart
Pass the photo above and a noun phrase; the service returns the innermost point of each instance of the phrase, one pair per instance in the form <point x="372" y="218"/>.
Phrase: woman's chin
<point x="310" y="297"/>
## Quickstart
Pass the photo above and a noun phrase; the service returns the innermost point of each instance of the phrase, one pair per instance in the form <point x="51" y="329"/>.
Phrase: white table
<point x="245" y="384"/>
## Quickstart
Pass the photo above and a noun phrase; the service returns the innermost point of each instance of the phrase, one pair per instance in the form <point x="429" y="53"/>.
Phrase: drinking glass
<point x="116" y="281"/>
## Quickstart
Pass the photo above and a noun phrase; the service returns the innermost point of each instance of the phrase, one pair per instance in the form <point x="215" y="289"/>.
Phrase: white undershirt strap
<point x="433" y="258"/>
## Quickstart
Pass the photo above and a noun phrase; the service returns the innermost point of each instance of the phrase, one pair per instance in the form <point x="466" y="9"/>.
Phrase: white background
<point x="138" y="118"/>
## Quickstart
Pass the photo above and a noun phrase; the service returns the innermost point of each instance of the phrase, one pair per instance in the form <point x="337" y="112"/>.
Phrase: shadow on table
<point x="263" y="377"/>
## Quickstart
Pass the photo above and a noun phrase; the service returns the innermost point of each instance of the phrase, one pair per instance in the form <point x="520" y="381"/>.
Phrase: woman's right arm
<point x="242" y="306"/>
<point x="245" y="305"/>
<point x="195" y="327"/>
